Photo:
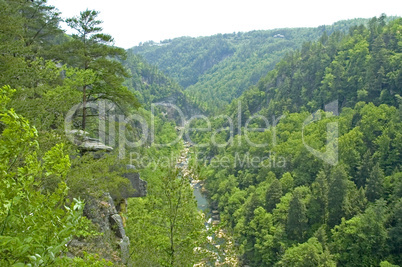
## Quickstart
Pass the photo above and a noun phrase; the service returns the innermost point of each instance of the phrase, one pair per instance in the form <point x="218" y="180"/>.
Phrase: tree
<point x="387" y="264"/>
<point x="374" y="187"/>
<point x="307" y="254"/>
<point x="12" y="46"/>
<point x="355" y="202"/>
<point x="361" y="241"/>
<point x="336" y="195"/>
<point x="286" y="182"/>
<point x="41" y="26"/>
<point x="318" y="206"/>
<point x="28" y="31"/>
<point x="273" y="195"/>
<point x="165" y="228"/>
<point x="90" y="49"/>
<point x="36" y="224"/>
<point x="252" y="202"/>
<point x="395" y="233"/>
<point x="365" y="165"/>
<point x="297" y="219"/>
<point x="261" y="234"/>
<point x="235" y="201"/>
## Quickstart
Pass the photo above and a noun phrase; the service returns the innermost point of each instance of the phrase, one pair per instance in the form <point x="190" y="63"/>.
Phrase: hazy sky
<point x="131" y="22"/>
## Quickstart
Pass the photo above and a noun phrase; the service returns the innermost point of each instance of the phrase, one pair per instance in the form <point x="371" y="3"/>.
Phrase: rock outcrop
<point x="86" y="143"/>
<point x="103" y="211"/>
<point x="139" y="185"/>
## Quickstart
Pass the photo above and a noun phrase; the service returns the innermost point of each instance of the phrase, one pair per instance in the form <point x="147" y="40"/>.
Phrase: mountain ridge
<point x="214" y="70"/>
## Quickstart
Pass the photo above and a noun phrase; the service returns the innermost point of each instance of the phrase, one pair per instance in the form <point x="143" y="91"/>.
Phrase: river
<point x="219" y="238"/>
<point x="202" y="202"/>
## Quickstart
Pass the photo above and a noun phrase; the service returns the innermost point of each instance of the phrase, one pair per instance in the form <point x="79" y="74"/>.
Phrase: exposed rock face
<point x="86" y="143"/>
<point x="99" y="211"/>
<point x="139" y="185"/>
<point x="125" y="250"/>
<point x="117" y="225"/>
<point x="103" y="213"/>
<point x="91" y="144"/>
<point x="136" y="188"/>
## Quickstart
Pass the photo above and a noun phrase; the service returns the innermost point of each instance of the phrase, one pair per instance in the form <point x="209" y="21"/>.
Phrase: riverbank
<point x="222" y="245"/>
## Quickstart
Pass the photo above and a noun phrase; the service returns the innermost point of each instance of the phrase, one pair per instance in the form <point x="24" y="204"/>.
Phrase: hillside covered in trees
<point x="297" y="186"/>
<point x="216" y="69"/>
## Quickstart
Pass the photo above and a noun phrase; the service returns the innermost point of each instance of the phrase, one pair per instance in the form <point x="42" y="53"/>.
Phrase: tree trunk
<point x="84" y="108"/>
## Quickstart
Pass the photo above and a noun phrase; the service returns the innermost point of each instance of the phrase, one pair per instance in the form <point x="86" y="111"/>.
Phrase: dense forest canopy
<point x="300" y="155"/>
<point x="216" y="69"/>
<point x="321" y="190"/>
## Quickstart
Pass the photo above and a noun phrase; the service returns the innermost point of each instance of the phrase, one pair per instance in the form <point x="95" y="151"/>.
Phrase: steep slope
<point x="214" y="70"/>
<point x="364" y="65"/>
<point x="311" y="189"/>
<point x="150" y="85"/>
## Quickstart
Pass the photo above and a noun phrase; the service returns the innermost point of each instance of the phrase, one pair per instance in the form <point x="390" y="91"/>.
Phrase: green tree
<point x="265" y="248"/>
<point x="12" y="46"/>
<point x="253" y="201"/>
<point x="90" y="49"/>
<point x="297" y="220"/>
<point x="273" y="195"/>
<point x="387" y="264"/>
<point x="356" y="201"/>
<point x="361" y="241"/>
<point x="337" y="195"/>
<point x="287" y="182"/>
<point x="29" y="30"/>
<point x="165" y="228"/>
<point x="318" y="206"/>
<point x="365" y="165"/>
<point x="374" y="187"/>
<point x="36" y="224"/>
<point x="41" y="27"/>
<point x="307" y="254"/>
<point x="395" y="233"/>
<point x="235" y="201"/>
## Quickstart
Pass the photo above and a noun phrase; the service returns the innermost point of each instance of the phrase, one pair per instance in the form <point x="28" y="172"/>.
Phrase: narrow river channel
<point x="219" y="238"/>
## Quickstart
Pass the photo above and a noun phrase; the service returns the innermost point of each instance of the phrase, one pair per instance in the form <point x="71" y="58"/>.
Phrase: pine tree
<point x="374" y="187"/>
<point x="12" y="47"/>
<point x="273" y="195"/>
<point x="318" y="207"/>
<point x="92" y="50"/>
<point x="297" y="219"/>
<point x="395" y="232"/>
<point x="336" y="195"/>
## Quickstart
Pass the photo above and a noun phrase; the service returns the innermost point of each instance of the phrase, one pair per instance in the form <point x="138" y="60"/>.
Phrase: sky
<point x="130" y="22"/>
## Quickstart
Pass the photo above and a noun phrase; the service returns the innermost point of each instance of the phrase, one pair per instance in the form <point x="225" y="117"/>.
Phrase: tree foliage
<point x="36" y="225"/>
<point x="90" y="49"/>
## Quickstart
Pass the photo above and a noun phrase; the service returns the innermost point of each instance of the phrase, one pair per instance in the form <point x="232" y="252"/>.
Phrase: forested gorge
<point x="286" y="206"/>
<point x="301" y="158"/>
<point x="214" y="70"/>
